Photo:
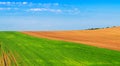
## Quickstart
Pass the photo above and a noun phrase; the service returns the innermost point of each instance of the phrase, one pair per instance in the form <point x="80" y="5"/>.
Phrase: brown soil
<point x="7" y="59"/>
<point x="105" y="38"/>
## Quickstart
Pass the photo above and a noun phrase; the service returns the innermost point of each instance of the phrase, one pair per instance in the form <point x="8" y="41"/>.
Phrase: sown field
<point x="17" y="49"/>
<point x="105" y="38"/>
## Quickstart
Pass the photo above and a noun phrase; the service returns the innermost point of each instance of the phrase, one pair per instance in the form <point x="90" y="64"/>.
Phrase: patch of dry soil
<point x="105" y="38"/>
<point x="7" y="58"/>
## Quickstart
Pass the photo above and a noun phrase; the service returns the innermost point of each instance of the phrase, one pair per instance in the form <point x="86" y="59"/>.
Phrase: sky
<point x="42" y="15"/>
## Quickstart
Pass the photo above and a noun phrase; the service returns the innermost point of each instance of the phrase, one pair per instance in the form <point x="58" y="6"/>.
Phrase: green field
<point x="17" y="49"/>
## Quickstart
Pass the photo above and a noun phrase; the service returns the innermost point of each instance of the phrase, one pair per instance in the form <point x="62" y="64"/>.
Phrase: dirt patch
<point x="7" y="58"/>
<point x="105" y="38"/>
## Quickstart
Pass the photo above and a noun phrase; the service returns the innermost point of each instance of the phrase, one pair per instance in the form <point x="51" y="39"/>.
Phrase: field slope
<point x="105" y="38"/>
<point x="17" y="49"/>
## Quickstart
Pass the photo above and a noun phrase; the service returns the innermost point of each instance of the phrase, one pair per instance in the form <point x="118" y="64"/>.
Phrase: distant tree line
<point x="99" y="28"/>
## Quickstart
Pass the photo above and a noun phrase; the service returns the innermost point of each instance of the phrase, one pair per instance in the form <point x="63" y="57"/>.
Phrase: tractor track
<point x="7" y="58"/>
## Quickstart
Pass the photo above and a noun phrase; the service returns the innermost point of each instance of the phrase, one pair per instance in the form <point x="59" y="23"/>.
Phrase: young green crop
<point x="32" y="51"/>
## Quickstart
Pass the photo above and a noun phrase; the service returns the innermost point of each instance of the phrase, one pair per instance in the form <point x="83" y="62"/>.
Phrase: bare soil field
<point x="106" y="38"/>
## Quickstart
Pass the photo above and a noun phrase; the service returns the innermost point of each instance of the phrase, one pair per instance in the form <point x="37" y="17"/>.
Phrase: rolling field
<point x="105" y="38"/>
<point x="18" y="49"/>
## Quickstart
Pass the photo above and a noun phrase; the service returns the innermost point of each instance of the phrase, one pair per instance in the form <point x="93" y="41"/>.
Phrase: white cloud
<point x="13" y="3"/>
<point x="24" y="3"/>
<point x="45" y="9"/>
<point x="40" y="7"/>
<point x="72" y="11"/>
<point x="48" y="4"/>
<point x="56" y="4"/>
<point x="67" y="11"/>
<point x="5" y="8"/>
<point x="8" y="8"/>
<point x="3" y="2"/>
<point x="55" y="10"/>
<point x="37" y="9"/>
<point x="30" y="3"/>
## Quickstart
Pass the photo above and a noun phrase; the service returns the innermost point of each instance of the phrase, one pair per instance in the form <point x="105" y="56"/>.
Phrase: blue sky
<point x="58" y="14"/>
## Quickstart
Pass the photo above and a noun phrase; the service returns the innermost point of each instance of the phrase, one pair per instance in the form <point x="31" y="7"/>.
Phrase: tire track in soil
<point x="7" y="58"/>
